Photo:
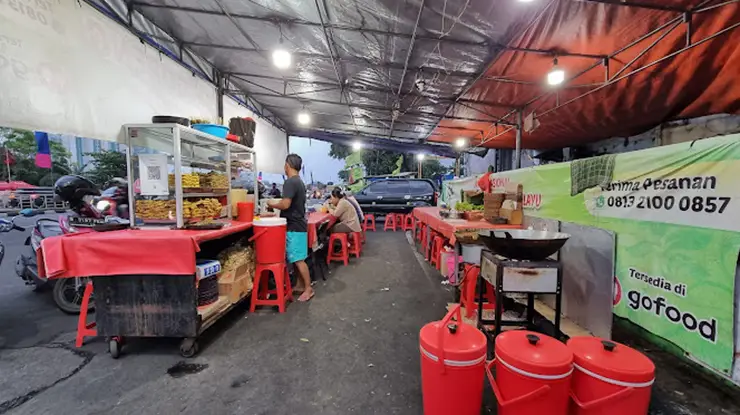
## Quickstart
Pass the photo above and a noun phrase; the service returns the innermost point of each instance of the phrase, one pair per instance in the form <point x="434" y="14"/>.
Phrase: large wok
<point x="523" y="244"/>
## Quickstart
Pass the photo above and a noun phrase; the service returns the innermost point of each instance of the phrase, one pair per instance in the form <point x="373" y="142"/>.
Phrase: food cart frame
<point x="177" y="131"/>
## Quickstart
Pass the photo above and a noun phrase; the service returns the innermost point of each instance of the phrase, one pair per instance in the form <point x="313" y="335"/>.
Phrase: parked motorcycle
<point x="82" y="196"/>
<point x="7" y="226"/>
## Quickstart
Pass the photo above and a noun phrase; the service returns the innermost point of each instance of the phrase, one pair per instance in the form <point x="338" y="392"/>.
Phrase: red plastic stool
<point x="409" y="224"/>
<point x="343" y="254"/>
<point x="283" y="291"/>
<point x="369" y="223"/>
<point x="390" y="222"/>
<point x="437" y="244"/>
<point x="419" y="231"/>
<point x="467" y="291"/>
<point x="85" y="329"/>
<point x="355" y="245"/>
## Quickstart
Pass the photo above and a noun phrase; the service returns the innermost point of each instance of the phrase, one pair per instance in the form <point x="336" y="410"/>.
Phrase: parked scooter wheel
<point x="68" y="294"/>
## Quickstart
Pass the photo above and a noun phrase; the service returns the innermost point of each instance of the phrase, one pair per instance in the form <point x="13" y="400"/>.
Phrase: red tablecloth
<point x="315" y="219"/>
<point x="127" y="252"/>
<point x="430" y="216"/>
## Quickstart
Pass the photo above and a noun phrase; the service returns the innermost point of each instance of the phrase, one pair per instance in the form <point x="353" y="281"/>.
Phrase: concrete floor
<point x="352" y="349"/>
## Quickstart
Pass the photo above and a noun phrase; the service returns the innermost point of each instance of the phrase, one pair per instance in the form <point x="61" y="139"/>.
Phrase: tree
<point x="339" y="151"/>
<point x="22" y="146"/>
<point x="431" y="167"/>
<point x="378" y="162"/>
<point x="343" y="175"/>
<point x="106" y="165"/>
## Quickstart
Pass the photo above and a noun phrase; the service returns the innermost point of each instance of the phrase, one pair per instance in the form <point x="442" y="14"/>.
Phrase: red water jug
<point x="609" y="378"/>
<point x="270" y="235"/>
<point x="453" y="356"/>
<point x="532" y="374"/>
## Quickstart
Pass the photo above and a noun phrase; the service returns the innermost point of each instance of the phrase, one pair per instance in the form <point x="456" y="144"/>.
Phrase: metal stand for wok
<point x="510" y="276"/>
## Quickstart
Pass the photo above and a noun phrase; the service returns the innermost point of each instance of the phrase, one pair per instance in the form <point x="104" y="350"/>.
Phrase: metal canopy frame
<point x="395" y="108"/>
<point x="683" y="18"/>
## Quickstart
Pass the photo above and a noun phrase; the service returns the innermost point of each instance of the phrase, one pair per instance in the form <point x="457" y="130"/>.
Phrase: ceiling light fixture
<point x="556" y="76"/>
<point x="461" y="142"/>
<point x="304" y="118"/>
<point x="281" y="58"/>
<point x="356" y="146"/>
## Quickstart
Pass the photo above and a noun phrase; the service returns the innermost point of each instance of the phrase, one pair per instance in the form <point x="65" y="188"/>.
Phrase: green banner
<point x="353" y="159"/>
<point x="399" y="163"/>
<point x="676" y="214"/>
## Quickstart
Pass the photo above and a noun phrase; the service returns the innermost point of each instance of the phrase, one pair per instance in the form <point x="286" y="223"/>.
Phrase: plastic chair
<point x="435" y="257"/>
<point x="390" y="222"/>
<point x="261" y="293"/>
<point x="355" y="244"/>
<point x="369" y="223"/>
<point x="343" y="254"/>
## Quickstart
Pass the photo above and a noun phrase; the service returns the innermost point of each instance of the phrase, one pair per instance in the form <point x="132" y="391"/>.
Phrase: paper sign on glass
<point x="153" y="175"/>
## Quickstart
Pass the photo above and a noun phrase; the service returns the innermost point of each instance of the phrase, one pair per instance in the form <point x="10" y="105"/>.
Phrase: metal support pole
<point x="518" y="154"/>
<point x="219" y="96"/>
<point x="689" y="27"/>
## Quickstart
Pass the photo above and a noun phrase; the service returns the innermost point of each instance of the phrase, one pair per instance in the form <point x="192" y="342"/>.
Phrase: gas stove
<point x="522" y="277"/>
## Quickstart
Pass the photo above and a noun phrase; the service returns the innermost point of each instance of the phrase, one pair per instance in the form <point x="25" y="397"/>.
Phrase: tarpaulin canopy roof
<point x="431" y="71"/>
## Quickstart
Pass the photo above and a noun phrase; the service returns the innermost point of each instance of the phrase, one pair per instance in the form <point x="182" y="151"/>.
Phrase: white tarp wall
<point x="270" y="142"/>
<point x="66" y="68"/>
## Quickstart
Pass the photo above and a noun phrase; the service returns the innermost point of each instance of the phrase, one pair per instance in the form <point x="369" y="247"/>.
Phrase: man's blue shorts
<point x="296" y="246"/>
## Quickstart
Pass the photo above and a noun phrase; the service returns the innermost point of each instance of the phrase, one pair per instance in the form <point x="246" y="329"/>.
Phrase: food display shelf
<point x="166" y="161"/>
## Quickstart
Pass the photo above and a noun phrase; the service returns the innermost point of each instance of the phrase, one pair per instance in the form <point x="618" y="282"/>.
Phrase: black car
<point x="397" y="195"/>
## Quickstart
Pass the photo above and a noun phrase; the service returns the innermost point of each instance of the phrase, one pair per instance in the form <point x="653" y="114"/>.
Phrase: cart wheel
<point x="114" y="348"/>
<point x="189" y="347"/>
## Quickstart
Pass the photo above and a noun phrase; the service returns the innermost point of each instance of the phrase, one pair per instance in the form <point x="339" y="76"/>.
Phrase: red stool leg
<point x="436" y="248"/>
<point x="258" y="288"/>
<point x="85" y="329"/>
<point x="356" y="243"/>
<point x="467" y="293"/>
<point x="390" y="222"/>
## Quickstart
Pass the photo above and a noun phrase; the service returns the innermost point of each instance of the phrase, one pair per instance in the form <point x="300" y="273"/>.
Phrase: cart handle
<point x="257" y="235"/>
<point x="500" y="399"/>
<point x="600" y="401"/>
<point x="452" y="328"/>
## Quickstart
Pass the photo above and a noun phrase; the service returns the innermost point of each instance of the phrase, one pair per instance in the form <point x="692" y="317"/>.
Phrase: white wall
<point x="66" y="68"/>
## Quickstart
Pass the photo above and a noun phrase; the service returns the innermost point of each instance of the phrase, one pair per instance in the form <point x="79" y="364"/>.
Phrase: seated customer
<point x="345" y="218"/>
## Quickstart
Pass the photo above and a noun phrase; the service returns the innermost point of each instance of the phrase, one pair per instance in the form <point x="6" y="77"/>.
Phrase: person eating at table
<point x="344" y="216"/>
<point x="292" y="207"/>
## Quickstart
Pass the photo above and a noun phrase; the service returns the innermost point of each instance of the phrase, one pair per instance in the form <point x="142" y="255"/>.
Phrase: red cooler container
<point x="269" y="237"/>
<point x="453" y="356"/>
<point x="610" y="378"/>
<point x="532" y="374"/>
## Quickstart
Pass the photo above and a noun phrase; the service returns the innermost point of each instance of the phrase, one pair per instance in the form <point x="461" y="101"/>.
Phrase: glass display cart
<point x="182" y="176"/>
